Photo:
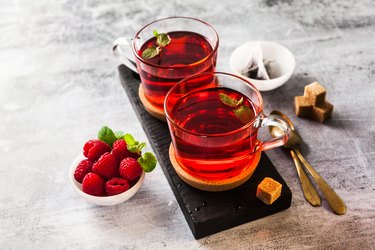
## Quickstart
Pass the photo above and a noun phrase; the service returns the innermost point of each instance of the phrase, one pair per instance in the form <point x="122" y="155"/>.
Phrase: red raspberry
<point x="84" y="167"/>
<point x="93" y="149"/>
<point x="116" y="186"/>
<point x="130" y="169"/>
<point x="93" y="184"/>
<point x="106" y="166"/>
<point x="120" y="150"/>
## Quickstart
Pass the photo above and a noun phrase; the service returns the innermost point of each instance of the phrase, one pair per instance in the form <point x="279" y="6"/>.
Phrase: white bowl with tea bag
<point x="267" y="65"/>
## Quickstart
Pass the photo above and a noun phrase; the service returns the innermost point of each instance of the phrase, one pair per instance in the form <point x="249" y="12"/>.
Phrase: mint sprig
<point x="106" y="135"/>
<point x="150" y="52"/>
<point x="230" y="101"/>
<point x="133" y="145"/>
<point x="119" y="135"/>
<point x="162" y="40"/>
<point x="147" y="161"/>
<point x="243" y="112"/>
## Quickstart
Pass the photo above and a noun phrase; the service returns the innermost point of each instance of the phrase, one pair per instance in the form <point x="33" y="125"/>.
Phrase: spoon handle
<point x="309" y="191"/>
<point x="334" y="201"/>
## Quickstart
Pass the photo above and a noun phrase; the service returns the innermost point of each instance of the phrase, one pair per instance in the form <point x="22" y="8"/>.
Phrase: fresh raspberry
<point x="106" y="166"/>
<point x="93" y="184"/>
<point x="116" y="186"/>
<point x="84" y="167"/>
<point x="120" y="150"/>
<point x="93" y="149"/>
<point x="130" y="169"/>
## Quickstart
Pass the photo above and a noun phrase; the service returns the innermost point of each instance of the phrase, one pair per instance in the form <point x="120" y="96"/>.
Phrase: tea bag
<point x="256" y="66"/>
<point x="250" y="68"/>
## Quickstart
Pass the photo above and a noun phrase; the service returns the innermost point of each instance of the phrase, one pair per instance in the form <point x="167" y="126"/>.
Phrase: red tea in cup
<point x="203" y="112"/>
<point x="192" y="49"/>
<point x="185" y="52"/>
<point x="214" y="119"/>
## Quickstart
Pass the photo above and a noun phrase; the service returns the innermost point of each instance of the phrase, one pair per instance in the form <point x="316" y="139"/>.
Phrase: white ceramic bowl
<point x="105" y="200"/>
<point x="283" y="67"/>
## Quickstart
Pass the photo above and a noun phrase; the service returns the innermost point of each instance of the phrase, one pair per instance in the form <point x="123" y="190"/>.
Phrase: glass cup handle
<point x="122" y="50"/>
<point x="274" y="142"/>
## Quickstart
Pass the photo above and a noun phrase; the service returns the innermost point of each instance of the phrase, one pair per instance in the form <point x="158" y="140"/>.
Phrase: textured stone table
<point x="59" y="84"/>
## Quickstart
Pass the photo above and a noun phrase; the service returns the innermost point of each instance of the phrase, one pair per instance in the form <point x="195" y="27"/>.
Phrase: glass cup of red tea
<point x="213" y="120"/>
<point x="192" y="49"/>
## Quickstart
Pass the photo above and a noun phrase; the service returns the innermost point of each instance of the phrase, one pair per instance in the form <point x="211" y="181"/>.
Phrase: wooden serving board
<point x="205" y="212"/>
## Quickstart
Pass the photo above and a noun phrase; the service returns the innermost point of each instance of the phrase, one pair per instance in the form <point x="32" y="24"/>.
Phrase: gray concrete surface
<point x="59" y="85"/>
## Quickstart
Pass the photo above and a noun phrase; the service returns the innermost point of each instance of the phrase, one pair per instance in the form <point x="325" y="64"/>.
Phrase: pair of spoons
<point x="309" y="191"/>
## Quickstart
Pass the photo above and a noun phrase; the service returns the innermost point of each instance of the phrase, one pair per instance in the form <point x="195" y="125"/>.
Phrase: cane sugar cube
<point x="322" y="112"/>
<point x="268" y="190"/>
<point x="313" y="104"/>
<point x="302" y="106"/>
<point x="316" y="93"/>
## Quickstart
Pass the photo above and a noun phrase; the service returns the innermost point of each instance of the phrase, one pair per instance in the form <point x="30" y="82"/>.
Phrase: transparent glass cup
<point x="158" y="79"/>
<point x="200" y="125"/>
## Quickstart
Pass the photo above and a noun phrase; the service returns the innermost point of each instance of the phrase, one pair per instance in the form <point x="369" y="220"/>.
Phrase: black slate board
<point x="206" y="212"/>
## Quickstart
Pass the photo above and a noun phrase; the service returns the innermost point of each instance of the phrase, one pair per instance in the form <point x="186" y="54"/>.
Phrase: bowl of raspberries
<point x="111" y="169"/>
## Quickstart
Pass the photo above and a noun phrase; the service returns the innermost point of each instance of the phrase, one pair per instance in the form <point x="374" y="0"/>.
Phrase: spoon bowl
<point x="294" y="140"/>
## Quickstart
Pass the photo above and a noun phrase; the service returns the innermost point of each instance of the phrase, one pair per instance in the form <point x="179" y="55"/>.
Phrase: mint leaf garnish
<point x="141" y="146"/>
<point x="229" y="101"/>
<point x="133" y="145"/>
<point x="150" y="52"/>
<point x="244" y="113"/>
<point x="119" y="135"/>
<point x="106" y="135"/>
<point x="136" y="148"/>
<point x="162" y="40"/>
<point x="147" y="161"/>
<point x="240" y="101"/>
<point x="129" y="139"/>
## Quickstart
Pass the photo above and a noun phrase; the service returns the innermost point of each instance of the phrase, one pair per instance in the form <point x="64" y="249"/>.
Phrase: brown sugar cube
<point x="268" y="190"/>
<point x="316" y="93"/>
<point x="322" y="112"/>
<point x="302" y="106"/>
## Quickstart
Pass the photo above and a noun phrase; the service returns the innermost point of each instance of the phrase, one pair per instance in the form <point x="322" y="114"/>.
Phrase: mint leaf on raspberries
<point x="133" y="145"/>
<point x="130" y="140"/>
<point x="106" y="134"/>
<point x="147" y="161"/>
<point x="119" y="135"/>
<point x="136" y="148"/>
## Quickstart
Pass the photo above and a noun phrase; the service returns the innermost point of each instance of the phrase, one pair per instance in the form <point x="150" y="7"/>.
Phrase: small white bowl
<point x="283" y="68"/>
<point x="103" y="200"/>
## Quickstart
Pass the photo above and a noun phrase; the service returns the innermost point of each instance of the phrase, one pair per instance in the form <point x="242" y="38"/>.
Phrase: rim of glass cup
<point x="248" y="83"/>
<point x="180" y="66"/>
